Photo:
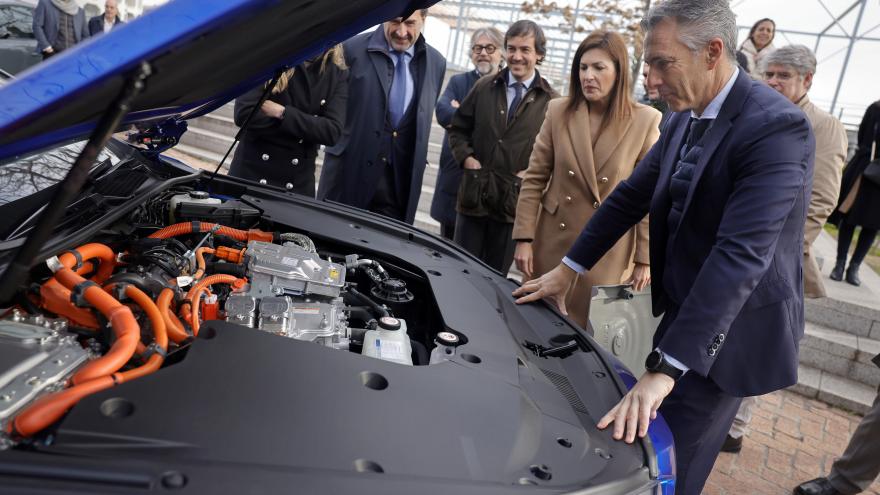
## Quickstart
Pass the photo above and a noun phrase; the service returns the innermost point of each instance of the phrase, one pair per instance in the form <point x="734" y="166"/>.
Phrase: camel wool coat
<point x="565" y="183"/>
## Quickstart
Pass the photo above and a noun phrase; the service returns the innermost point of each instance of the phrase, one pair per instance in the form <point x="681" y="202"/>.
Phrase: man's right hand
<point x="48" y="50"/>
<point x="523" y="258"/>
<point x="472" y="163"/>
<point x="554" y="285"/>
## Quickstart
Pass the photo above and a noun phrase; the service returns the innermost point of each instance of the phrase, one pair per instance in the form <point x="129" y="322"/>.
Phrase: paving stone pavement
<point x="792" y="439"/>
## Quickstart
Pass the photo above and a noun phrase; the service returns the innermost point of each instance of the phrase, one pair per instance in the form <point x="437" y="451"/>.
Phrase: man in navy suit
<point x="727" y="187"/>
<point x="103" y="23"/>
<point x="485" y="49"/>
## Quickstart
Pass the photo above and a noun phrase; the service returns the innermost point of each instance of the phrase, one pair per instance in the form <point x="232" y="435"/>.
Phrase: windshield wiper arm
<point x="69" y="188"/>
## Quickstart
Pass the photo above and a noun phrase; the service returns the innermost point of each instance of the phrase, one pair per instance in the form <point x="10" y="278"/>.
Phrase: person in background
<point x="103" y="23"/>
<point x="790" y="71"/>
<point x="305" y="109"/>
<point x="486" y="51"/>
<point x="58" y="25"/>
<point x="727" y="186"/>
<point x="589" y="142"/>
<point x="758" y="45"/>
<point x="652" y="98"/>
<point x="859" y="203"/>
<point x="491" y="135"/>
<point x="395" y="80"/>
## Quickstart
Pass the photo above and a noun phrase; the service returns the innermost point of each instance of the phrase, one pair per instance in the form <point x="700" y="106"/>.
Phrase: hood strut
<point x="247" y="121"/>
<point x="11" y="280"/>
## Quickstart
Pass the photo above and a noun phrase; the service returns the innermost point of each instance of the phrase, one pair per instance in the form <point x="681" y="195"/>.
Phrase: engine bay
<point x="132" y="302"/>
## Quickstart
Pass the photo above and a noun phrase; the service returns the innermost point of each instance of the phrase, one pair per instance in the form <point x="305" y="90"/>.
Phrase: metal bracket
<point x="160" y="137"/>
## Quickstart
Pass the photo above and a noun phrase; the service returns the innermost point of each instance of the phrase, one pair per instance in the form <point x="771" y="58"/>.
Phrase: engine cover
<point x="278" y="270"/>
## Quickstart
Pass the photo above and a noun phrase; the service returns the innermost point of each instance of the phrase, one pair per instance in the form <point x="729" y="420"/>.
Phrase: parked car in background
<point x="168" y="329"/>
<point x="18" y="47"/>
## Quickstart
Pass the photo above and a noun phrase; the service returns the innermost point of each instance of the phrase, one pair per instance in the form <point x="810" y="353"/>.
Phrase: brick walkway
<point x="792" y="440"/>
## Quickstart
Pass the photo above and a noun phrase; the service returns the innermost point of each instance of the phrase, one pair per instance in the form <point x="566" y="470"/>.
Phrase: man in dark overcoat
<point x="487" y="45"/>
<point x="58" y="25"/>
<point x="395" y="78"/>
<point x="727" y="187"/>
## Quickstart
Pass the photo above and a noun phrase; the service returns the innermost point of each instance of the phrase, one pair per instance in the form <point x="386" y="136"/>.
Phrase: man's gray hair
<point x="492" y="33"/>
<point x="699" y="21"/>
<point x="798" y="57"/>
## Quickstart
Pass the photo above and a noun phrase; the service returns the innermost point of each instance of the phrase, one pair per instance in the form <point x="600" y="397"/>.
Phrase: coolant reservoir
<point x="192" y="197"/>
<point x="389" y="342"/>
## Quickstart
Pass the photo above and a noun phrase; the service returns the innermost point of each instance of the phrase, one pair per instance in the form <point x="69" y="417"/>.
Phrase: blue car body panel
<point x="101" y="64"/>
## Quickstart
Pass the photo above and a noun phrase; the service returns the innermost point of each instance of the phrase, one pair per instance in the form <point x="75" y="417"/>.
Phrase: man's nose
<point x="401" y="31"/>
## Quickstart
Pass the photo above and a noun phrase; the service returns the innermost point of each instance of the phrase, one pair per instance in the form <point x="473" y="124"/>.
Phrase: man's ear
<point x="808" y="80"/>
<point x="714" y="52"/>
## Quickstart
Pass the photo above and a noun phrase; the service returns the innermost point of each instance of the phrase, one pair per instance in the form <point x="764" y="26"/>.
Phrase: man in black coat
<point x="380" y="160"/>
<point x="486" y="49"/>
<point x="106" y="21"/>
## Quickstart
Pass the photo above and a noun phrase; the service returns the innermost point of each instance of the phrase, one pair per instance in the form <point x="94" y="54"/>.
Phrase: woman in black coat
<point x="305" y="109"/>
<point x="859" y="203"/>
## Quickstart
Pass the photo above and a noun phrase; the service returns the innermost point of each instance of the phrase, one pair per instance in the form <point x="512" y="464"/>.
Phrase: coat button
<point x="300" y="141"/>
<point x="568" y="199"/>
<point x="500" y="141"/>
<point x="604" y="180"/>
<point x="394" y="133"/>
<point x="295" y="161"/>
<point x="501" y="112"/>
<point x="288" y="186"/>
<point x="265" y="157"/>
<point x="323" y="102"/>
<point x="561" y="226"/>
<point x="263" y="181"/>
<point x="571" y="173"/>
<point x="721" y="337"/>
<point x="595" y="204"/>
<point x="384" y="160"/>
<point x="712" y="352"/>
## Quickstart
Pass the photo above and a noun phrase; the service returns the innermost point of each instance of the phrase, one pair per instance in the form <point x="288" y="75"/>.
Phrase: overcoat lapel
<point x="579" y="134"/>
<point x="608" y="142"/>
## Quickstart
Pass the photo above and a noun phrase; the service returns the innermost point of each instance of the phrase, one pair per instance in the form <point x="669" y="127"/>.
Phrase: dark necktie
<point x="697" y="129"/>
<point x="397" y="94"/>
<point x="518" y="89"/>
<point x="680" y="182"/>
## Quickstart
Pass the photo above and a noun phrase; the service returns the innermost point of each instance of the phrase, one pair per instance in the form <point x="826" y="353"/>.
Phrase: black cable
<point x="379" y="310"/>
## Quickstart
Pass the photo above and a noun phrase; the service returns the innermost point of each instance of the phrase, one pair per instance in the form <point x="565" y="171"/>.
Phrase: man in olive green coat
<point x="492" y="135"/>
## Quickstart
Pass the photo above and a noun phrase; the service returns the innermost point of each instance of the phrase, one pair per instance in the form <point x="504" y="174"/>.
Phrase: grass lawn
<point x="873" y="258"/>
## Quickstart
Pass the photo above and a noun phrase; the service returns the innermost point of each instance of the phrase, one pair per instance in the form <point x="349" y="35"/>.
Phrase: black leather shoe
<point x="852" y="275"/>
<point x="818" y="486"/>
<point x="837" y="272"/>
<point x="732" y="445"/>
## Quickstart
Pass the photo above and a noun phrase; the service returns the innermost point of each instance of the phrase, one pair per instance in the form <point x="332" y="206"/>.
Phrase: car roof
<point x="202" y="53"/>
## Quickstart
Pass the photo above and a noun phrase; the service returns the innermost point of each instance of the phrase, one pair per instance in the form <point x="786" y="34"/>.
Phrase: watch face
<point x="653" y="360"/>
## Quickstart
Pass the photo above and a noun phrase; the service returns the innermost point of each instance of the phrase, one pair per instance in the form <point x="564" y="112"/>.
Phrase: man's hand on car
<point x="553" y="285"/>
<point x="638" y="408"/>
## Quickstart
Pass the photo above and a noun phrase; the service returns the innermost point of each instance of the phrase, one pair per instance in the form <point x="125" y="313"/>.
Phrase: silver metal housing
<point x="36" y="357"/>
<point x="279" y="270"/>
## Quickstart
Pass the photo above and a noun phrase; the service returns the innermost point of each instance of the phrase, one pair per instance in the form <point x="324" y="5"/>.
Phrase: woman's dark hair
<point x="528" y="28"/>
<point x="755" y="28"/>
<point x="620" y="99"/>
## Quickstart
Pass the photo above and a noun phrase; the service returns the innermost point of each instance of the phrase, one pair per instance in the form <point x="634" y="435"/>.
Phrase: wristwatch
<point x="657" y="363"/>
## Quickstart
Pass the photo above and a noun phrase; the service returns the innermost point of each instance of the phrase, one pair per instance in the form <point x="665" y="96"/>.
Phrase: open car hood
<point x="207" y="52"/>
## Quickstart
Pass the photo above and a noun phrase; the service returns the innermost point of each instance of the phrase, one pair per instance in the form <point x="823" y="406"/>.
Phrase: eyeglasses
<point x="490" y="49"/>
<point x="781" y="76"/>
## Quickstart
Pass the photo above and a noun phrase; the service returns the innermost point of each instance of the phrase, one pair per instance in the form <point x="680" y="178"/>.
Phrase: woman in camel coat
<point x="589" y="142"/>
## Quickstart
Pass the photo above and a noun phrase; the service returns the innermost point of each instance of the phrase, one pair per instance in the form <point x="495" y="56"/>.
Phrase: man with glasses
<point x="492" y="135"/>
<point x="485" y="53"/>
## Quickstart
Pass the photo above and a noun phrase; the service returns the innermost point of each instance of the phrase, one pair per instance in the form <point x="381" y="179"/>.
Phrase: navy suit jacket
<point x="449" y="177"/>
<point x="730" y="279"/>
<point x="96" y="24"/>
<point x="352" y="167"/>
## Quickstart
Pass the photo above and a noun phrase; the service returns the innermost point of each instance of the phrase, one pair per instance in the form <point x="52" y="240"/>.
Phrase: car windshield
<point x="16" y="21"/>
<point x="28" y="175"/>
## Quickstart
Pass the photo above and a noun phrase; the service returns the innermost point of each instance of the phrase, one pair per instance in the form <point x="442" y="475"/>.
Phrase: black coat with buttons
<point x="480" y="129"/>
<point x="283" y="152"/>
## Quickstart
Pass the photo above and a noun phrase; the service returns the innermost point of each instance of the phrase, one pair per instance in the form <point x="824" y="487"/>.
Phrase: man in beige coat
<point x="790" y="70"/>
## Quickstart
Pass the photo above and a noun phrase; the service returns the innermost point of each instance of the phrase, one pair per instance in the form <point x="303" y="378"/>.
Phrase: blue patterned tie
<point x="518" y="88"/>
<point x="397" y="94"/>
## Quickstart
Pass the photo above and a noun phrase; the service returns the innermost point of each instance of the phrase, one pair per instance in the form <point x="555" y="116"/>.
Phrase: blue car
<point x="168" y="329"/>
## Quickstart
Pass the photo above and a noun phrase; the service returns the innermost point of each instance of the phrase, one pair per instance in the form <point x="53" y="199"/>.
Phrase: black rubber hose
<point x="379" y="311"/>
